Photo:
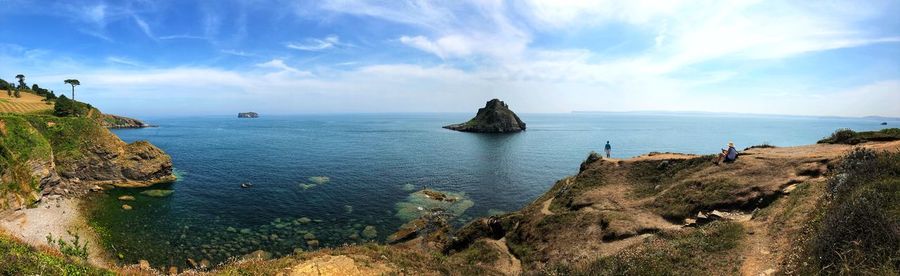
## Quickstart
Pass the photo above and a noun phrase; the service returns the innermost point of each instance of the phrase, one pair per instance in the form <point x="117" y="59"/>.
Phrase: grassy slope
<point x="27" y="103"/>
<point x="20" y="143"/>
<point x="20" y="259"/>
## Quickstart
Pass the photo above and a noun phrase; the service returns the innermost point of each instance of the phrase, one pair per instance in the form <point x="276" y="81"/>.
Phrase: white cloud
<point x="315" y="44"/>
<point x="283" y="68"/>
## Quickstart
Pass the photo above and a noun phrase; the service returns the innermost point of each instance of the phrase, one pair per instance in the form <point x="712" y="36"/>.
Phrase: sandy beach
<point x="52" y="217"/>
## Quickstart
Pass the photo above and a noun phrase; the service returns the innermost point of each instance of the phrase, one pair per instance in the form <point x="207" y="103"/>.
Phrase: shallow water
<point x="330" y="176"/>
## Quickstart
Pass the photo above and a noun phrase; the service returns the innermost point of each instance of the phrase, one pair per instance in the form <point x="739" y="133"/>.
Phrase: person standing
<point x="608" y="149"/>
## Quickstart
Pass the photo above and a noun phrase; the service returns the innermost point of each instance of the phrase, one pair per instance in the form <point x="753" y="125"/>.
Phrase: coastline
<point x="56" y="217"/>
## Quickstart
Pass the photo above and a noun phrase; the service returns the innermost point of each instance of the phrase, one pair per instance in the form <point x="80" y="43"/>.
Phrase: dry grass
<point x="28" y="103"/>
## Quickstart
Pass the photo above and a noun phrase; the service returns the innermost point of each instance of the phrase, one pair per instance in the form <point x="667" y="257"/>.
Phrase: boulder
<point x="494" y="117"/>
<point x="126" y="207"/>
<point x="126" y="198"/>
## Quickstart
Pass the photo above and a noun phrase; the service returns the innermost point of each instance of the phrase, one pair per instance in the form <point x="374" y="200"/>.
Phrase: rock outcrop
<point x="494" y="117"/>
<point x="46" y="155"/>
<point x="115" y="121"/>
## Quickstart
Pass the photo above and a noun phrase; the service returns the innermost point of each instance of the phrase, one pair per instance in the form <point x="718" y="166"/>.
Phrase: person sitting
<point x="728" y="155"/>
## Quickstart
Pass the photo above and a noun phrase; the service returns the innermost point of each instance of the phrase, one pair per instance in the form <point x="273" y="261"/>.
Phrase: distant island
<point x="248" y="115"/>
<point x="494" y="117"/>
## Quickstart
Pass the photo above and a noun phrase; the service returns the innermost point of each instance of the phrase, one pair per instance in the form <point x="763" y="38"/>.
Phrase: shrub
<point x="850" y="137"/>
<point x="75" y="248"/>
<point x="65" y="107"/>
<point x="860" y="229"/>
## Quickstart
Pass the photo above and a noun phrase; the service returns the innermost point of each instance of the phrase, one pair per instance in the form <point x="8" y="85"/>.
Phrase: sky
<point x="185" y="58"/>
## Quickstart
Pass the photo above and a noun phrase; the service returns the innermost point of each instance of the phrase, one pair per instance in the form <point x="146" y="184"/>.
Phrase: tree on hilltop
<point x="73" y="83"/>
<point x="21" y="79"/>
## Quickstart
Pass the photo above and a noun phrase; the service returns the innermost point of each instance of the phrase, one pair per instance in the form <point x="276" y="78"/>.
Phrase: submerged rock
<point x="126" y="207"/>
<point x="157" y="193"/>
<point x="126" y="198"/>
<point x="438" y="196"/>
<point x="419" y="203"/>
<point x="319" y="180"/>
<point x="370" y="232"/>
<point x="494" y="117"/>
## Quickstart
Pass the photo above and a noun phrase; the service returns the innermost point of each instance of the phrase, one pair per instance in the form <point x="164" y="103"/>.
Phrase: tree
<point x="73" y="83"/>
<point x="21" y="79"/>
<point x="16" y="94"/>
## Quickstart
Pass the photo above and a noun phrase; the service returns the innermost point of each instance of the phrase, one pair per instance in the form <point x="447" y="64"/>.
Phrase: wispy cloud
<point x="123" y="61"/>
<point x="316" y="44"/>
<point x="237" y="53"/>
<point x="284" y="68"/>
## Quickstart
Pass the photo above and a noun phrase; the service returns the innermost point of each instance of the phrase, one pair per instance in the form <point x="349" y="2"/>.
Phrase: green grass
<point x="19" y="144"/>
<point x="702" y="251"/>
<point x="686" y="198"/>
<point x="850" y="137"/>
<point x="647" y="175"/>
<point x="858" y="229"/>
<point x="70" y="137"/>
<point x="20" y="259"/>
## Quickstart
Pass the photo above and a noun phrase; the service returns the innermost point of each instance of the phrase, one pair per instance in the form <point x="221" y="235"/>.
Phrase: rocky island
<point x="248" y="115"/>
<point x="494" y="117"/>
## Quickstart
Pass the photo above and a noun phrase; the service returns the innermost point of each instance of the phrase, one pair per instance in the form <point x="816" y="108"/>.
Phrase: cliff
<point x="775" y="210"/>
<point x="494" y="117"/>
<point x="115" y="121"/>
<point x="824" y="208"/>
<point x="43" y="155"/>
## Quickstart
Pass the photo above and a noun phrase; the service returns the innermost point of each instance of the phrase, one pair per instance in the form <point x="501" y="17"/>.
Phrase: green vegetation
<point x="652" y="177"/>
<point x="19" y="144"/>
<point x="74" y="249"/>
<point x="849" y="137"/>
<point x="73" y="83"/>
<point x="858" y="231"/>
<point x="686" y="198"/>
<point x="66" y="108"/>
<point x="20" y="259"/>
<point x="702" y="251"/>
<point x="765" y="145"/>
<point x="48" y="95"/>
<point x="21" y="79"/>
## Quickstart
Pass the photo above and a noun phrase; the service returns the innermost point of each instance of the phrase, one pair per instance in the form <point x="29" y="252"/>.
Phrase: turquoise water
<point x="331" y="176"/>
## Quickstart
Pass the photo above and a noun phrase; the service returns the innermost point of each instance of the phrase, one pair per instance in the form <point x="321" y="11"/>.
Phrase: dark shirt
<point x="608" y="147"/>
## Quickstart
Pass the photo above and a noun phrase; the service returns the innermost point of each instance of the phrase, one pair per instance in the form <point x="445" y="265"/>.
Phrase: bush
<point x="850" y="137"/>
<point x="860" y="229"/>
<point x="75" y="248"/>
<point x="65" y="107"/>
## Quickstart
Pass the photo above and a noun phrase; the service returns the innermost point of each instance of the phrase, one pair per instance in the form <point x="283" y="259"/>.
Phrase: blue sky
<point x="145" y="58"/>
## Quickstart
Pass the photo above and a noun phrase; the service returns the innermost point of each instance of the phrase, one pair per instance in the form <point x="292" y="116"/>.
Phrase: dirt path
<point x="759" y="259"/>
<point x="545" y="208"/>
<point x="52" y="217"/>
<point x="511" y="265"/>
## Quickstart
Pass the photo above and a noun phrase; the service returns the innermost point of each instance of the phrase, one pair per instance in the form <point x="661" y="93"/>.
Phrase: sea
<point x="332" y="179"/>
